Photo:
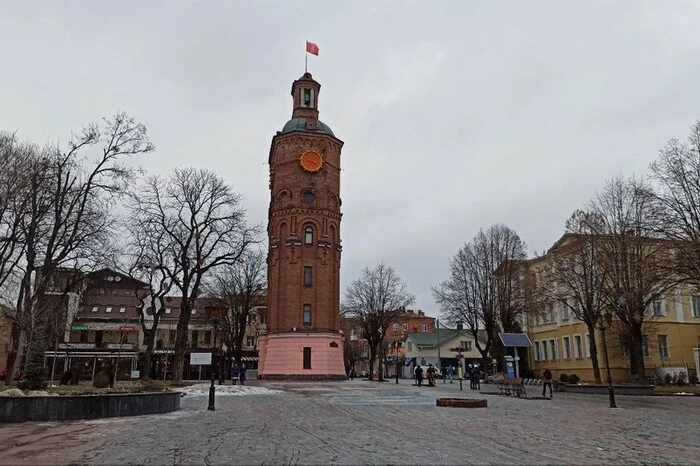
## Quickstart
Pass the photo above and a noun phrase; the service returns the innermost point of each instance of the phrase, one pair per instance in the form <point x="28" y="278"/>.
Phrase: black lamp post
<point x="605" y="322"/>
<point x="212" y="391"/>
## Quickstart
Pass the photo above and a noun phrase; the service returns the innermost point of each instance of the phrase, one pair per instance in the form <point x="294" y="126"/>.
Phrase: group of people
<point x="238" y="373"/>
<point x="429" y="375"/>
<point x="474" y="376"/>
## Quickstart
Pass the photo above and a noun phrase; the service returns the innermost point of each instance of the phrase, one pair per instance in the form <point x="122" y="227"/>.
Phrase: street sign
<point x="200" y="359"/>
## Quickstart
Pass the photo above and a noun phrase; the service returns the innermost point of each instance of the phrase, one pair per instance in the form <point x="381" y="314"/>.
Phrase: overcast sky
<point x="455" y="114"/>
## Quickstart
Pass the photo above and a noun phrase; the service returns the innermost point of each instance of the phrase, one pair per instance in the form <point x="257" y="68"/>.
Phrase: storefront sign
<point x="163" y="351"/>
<point x="79" y="327"/>
<point x="122" y="346"/>
<point x="200" y="359"/>
<point x="76" y="345"/>
<point x="104" y="326"/>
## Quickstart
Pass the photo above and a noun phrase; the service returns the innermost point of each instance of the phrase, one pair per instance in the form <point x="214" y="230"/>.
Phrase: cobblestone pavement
<point x="359" y="422"/>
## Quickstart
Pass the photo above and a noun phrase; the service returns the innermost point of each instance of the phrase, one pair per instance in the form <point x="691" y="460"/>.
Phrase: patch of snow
<point x="203" y="390"/>
<point x="684" y="393"/>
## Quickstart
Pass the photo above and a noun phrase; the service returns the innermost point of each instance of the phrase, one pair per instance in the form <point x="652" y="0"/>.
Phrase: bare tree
<point x="67" y="221"/>
<point x="241" y="286"/>
<point x="375" y="300"/>
<point x="634" y="258"/>
<point x="193" y="223"/>
<point x="575" y="280"/>
<point x="677" y="176"/>
<point x="484" y="291"/>
<point x="14" y="159"/>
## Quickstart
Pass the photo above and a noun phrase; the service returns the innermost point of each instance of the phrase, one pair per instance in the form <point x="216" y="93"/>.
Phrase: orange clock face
<point x="311" y="161"/>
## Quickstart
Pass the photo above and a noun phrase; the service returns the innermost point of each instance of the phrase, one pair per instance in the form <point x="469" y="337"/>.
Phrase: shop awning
<point x="249" y="358"/>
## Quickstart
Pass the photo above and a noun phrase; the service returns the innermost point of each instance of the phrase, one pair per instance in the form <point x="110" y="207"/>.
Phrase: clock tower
<point x="303" y="339"/>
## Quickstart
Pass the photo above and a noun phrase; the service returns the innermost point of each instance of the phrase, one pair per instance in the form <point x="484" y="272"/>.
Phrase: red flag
<point x="311" y="48"/>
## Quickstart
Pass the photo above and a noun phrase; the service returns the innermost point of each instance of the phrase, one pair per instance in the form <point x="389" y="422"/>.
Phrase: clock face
<point x="311" y="161"/>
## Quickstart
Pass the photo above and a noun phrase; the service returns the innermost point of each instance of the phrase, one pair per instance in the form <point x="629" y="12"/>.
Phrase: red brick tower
<point x="303" y="339"/>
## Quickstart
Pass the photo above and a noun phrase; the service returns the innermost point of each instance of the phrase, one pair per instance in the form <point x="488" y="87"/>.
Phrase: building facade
<point x="303" y="337"/>
<point x="102" y="321"/>
<point x="5" y="338"/>
<point x="562" y="342"/>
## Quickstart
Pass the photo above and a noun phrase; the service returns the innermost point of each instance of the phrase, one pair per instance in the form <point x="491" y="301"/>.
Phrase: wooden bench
<point x="514" y="387"/>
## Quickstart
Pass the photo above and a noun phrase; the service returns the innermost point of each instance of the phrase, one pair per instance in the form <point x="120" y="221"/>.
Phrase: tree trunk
<point x="372" y="355"/>
<point x="637" y="368"/>
<point x="181" y="341"/>
<point x="594" y="353"/>
<point x="15" y="354"/>
<point x="148" y="355"/>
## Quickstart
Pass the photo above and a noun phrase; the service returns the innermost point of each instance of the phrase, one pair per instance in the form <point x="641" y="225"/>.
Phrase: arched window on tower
<point x="308" y="98"/>
<point x="309" y="235"/>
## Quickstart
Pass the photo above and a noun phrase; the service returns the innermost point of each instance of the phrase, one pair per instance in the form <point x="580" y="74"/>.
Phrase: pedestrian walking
<point x="241" y="374"/>
<point x="546" y="381"/>
<point x="451" y="372"/>
<point x="431" y="375"/>
<point x="235" y="373"/>
<point x="469" y="375"/>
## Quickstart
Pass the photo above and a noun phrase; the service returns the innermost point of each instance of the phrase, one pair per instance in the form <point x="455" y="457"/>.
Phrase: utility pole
<point x="437" y="329"/>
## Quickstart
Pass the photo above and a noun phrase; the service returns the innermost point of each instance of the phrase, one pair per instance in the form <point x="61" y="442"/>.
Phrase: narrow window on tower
<point x="307" y="315"/>
<point x="309" y="235"/>
<point x="307" y="98"/>
<point x="308" y="275"/>
<point x="307" y="357"/>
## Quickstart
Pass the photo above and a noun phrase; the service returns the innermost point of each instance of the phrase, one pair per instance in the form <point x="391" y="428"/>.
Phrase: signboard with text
<point x="200" y="359"/>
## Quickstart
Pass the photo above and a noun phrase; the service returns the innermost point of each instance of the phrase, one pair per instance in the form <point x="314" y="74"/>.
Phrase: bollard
<point x="212" y="391"/>
<point x="460" y="384"/>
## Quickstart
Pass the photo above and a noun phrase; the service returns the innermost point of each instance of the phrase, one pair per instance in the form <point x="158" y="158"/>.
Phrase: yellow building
<point x="562" y="342"/>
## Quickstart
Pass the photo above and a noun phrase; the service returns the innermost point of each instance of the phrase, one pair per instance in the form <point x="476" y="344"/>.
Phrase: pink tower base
<point x="282" y="356"/>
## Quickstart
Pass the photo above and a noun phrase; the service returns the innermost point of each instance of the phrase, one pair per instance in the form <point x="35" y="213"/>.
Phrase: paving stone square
<point x="360" y="422"/>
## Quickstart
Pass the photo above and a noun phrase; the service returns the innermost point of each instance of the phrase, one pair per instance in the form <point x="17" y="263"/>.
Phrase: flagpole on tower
<point x="306" y="61"/>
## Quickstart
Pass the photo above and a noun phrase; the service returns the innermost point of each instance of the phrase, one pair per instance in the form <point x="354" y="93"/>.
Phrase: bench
<point x="514" y="387"/>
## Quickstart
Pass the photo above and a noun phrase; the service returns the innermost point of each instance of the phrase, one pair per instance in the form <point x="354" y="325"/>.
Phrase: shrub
<point x="573" y="378"/>
<point x="693" y="379"/>
<point x="101" y="380"/>
<point x="668" y="379"/>
<point x="564" y="378"/>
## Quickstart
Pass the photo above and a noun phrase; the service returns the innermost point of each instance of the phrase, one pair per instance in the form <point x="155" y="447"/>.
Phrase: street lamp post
<point x="605" y="322"/>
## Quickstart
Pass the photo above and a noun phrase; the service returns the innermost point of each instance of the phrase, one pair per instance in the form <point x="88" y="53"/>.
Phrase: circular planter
<point x="461" y="403"/>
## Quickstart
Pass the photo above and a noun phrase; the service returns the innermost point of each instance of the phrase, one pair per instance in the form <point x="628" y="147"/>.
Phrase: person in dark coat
<point x="419" y="375"/>
<point x="242" y="374"/>
<point x="235" y="373"/>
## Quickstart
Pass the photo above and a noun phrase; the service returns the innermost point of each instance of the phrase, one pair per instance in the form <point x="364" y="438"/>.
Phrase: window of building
<point x="309" y="235"/>
<point x="84" y="337"/>
<point x="663" y="346"/>
<point x="566" y="342"/>
<point x="122" y="310"/>
<point x="307" y="315"/>
<point x="94" y="309"/>
<point x="250" y="341"/>
<point x="167" y="310"/>
<point x="404" y="327"/>
<point x="578" y="346"/>
<point x="195" y="338"/>
<point x="194" y="311"/>
<point x="537" y="351"/>
<point x="172" y="336"/>
<point x="109" y="309"/>
<point x="207" y="337"/>
<point x="696" y="306"/>
<point x="424" y="327"/>
<point x="308" y="275"/>
<point x="395" y="327"/>
<point x="307" y="98"/>
<point x="307" y="357"/>
<point x="565" y="312"/>
<point x="309" y="196"/>
<point x="552" y="350"/>
<point x="658" y="307"/>
<point x="466" y="345"/>
<point x="410" y="346"/>
<point x="645" y="346"/>
<point x="588" y="346"/>
<point x="545" y="352"/>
